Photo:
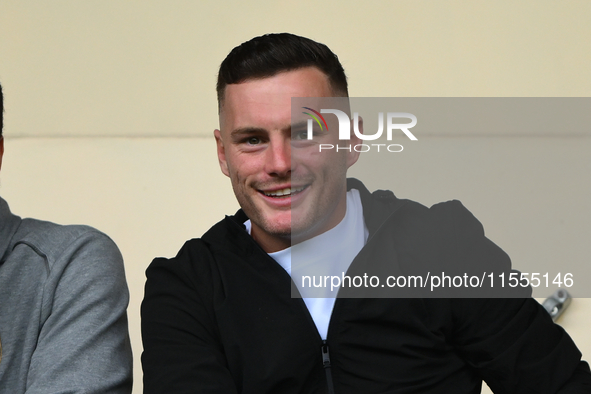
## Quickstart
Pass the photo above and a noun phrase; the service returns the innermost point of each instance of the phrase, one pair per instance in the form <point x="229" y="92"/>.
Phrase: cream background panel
<point x="147" y="67"/>
<point x="110" y="108"/>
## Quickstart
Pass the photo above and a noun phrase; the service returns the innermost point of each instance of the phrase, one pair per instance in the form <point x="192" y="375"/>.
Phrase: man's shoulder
<point x="443" y="213"/>
<point x="382" y="205"/>
<point x="56" y="242"/>
<point x="227" y="237"/>
<point x="225" y="248"/>
<point x="68" y="281"/>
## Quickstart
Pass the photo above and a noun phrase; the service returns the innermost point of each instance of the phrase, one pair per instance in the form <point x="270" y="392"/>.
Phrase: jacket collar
<point x="8" y="225"/>
<point x="377" y="206"/>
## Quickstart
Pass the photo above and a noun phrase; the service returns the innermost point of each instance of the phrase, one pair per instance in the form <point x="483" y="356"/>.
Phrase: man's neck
<point x="272" y="243"/>
<point x="269" y="244"/>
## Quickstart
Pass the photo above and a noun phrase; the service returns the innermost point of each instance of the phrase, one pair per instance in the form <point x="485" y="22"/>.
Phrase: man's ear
<point x="1" y="150"/>
<point x="353" y="156"/>
<point x="221" y="152"/>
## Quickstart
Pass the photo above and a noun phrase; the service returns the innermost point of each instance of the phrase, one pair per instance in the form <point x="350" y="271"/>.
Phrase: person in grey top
<point x="63" y="302"/>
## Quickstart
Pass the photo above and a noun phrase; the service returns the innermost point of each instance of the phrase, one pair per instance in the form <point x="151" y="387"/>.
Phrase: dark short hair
<point x="1" y="111"/>
<point x="271" y="54"/>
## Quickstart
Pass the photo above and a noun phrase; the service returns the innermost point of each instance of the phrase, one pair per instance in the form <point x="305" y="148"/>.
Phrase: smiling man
<point x="288" y="199"/>
<point x="220" y="316"/>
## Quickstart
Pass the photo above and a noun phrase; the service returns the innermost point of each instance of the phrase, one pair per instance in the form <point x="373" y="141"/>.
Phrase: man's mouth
<point x="282" y="193"/>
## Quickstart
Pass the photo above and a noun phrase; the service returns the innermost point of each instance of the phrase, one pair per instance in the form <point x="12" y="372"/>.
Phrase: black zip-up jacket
<point x="219" y="318"/>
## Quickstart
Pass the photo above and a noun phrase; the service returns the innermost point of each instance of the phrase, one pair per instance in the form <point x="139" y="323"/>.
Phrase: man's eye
<point x="253" y="141"/>
<point x="300" y="135"/>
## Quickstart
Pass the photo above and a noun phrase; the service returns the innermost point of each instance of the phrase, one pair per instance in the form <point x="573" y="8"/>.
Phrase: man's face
<point x="288" y="198"/>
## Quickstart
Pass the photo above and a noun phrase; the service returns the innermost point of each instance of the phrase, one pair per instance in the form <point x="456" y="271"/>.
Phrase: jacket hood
<point x="377" y="206"/>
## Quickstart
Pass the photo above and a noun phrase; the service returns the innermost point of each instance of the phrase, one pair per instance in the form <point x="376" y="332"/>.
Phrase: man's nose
<point x="278" y="160"/>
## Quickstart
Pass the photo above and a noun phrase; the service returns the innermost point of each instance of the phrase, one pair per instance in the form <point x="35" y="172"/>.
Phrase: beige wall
<point x="110" y="107"/>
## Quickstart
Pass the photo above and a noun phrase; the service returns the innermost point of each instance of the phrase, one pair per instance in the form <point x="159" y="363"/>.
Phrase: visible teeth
<point x="284" y="192"/>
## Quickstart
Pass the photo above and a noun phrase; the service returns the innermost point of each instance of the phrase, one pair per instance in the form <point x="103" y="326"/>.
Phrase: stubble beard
<point x="256" y="213"/>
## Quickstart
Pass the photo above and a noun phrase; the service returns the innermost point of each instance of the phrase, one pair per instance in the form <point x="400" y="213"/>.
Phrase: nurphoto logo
<point x="345" y="129"/>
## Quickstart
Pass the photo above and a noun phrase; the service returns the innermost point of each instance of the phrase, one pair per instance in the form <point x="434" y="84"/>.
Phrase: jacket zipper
<point x="324" y="347"/>
<point x="326" y="364"/>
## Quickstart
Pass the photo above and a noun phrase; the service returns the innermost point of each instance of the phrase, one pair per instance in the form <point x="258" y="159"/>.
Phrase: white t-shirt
<point x="327" y="255"/>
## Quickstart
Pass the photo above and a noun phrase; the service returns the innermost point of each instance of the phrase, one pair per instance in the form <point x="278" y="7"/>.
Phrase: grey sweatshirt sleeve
<point x="83" y="344"/>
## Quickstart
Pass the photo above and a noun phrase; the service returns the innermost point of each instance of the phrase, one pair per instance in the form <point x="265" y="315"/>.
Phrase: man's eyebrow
<point x="236" y="134"/>
<point x="299" y="125"/>
<point x="243" y="131"/>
